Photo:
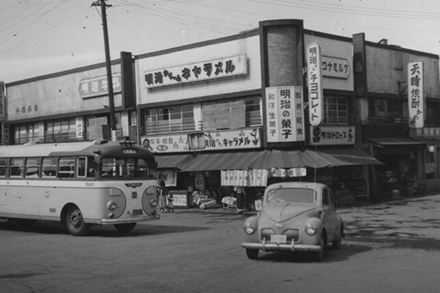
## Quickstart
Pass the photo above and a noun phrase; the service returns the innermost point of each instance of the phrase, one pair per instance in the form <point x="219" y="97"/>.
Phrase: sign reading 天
<point x="332" y="135"/>
<point x="314" y="83"/>
<point x="284" y="110"/>
<point x="207" y="70"/>
<point x="415" y="95"/>
<point x="98" y="86"/>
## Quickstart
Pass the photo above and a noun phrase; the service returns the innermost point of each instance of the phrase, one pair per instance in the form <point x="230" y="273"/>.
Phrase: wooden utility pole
<point x="109" y="69"/>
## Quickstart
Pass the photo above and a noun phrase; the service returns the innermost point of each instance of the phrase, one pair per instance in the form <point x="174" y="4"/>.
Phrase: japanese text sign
<point x="314" y="83"/>
<point x="232" y="139"/>
<point x="335" y="67"/>
<point x="2" y="101"/>
<point x="208" y="70"/>
<point x="332" y="135"/>
<point x="166" y="143"/>
<point x="415" y="95"/>
<point x="284" y="114"/>
<point x="98" y="86"/>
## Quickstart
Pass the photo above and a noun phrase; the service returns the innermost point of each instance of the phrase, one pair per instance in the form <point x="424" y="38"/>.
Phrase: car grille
<point x="291" y="234"/>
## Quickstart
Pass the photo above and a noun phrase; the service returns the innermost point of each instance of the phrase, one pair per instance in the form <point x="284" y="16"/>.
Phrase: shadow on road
<point x="47" y="227"/>
<point x="345" y="252"/>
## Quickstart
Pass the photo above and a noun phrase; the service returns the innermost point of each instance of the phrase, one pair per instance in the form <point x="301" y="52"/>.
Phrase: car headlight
<point x="310" y="229"/>
<point x="249" y="228"/>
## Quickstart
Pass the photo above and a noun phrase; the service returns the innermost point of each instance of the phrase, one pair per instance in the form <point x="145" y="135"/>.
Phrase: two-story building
<point x="278" y="102"/>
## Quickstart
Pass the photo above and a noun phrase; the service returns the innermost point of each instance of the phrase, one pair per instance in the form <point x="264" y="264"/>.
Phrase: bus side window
<point x="3" y="166"/>
<point x="49" y="168"/>
<point x="66" y="167"/>
<point x="32" y="167"/>
<point x="82" y="164"/>
<point x="16" y="167"/>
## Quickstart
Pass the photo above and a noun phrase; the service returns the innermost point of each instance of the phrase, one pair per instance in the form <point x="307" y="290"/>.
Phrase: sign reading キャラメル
<point x="202" y="71"/>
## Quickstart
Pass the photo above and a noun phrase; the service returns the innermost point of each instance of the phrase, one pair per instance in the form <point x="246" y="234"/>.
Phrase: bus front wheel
<point x="125" y="228"/>
<point x="75" y="224"/>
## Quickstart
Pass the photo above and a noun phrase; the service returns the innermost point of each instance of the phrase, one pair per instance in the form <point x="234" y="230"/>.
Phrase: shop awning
<point x="392" y="141"/>
<point x="348" y="156"/>
<point x="221" y="161"/>
<point x="268" y="159"/>
<point x="167" y="161"/>
<point x="319" y="158"/>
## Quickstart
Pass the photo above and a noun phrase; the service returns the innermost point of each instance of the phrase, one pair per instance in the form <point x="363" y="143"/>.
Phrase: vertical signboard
<point x="314" y="83"/>
<point x="415" y="95"/>
<point x="285" y="121"/>
<point x="2" y="101"/>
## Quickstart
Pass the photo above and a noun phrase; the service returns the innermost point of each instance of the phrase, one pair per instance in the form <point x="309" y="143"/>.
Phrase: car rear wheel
<point x="252" y="253"/>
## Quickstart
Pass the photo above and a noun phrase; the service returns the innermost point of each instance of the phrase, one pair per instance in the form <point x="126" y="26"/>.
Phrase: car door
<point x="330" y="216"/>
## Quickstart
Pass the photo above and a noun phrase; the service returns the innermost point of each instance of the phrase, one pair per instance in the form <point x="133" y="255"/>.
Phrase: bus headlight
<point x="111" y="205"/>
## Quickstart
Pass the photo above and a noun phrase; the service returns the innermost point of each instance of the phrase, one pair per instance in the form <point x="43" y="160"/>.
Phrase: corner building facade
<point x="234" y="111"/>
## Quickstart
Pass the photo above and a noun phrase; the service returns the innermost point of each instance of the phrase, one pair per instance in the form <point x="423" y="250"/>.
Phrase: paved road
<point x="391" y="247"/>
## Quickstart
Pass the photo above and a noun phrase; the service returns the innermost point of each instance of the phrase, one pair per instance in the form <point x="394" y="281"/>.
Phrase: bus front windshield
<point x="124" y="168"/>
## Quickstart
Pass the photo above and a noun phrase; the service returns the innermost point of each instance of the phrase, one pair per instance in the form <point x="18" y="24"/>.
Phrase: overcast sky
<point x="39" y="37"/>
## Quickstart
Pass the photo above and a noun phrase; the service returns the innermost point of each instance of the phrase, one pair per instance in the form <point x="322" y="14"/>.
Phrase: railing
<point x="387" y="120"/>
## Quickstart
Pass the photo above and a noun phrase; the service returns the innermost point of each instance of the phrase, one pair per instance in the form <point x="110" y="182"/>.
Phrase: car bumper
<point x="279" y="246"/>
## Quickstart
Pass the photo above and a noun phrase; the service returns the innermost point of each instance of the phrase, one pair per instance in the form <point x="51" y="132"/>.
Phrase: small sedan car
<point x="295" y="216"/>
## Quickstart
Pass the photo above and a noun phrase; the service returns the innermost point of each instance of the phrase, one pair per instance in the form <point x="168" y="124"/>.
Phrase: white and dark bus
<point x="78" y="184"/>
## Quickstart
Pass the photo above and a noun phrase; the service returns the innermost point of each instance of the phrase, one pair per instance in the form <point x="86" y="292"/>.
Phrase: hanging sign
<point x="314" y="83"/>
<point x="415" y="95"/>
<point x="284" y="110"/>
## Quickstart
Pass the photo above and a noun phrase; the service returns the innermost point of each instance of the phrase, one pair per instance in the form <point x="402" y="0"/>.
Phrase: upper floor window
<point x="169" y="119"/>
<point x="231" y="114"/>
<point x="336" y="110"/>
<point x="390" y="108"/>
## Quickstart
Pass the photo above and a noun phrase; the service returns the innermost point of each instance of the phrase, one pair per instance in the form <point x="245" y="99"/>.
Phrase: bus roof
<point x="85" y="148"/>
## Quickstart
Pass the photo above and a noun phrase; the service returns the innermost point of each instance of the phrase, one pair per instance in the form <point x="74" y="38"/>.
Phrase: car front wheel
<point x="323" y="243"/>
<point x="252" y="253"/>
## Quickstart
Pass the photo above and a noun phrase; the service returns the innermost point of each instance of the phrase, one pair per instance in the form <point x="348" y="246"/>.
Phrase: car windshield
<point x="291" y="195"/>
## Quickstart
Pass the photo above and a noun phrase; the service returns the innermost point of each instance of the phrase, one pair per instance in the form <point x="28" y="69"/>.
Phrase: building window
<point x="25" y="133"/>
<point x="336" y="111"/>
<point x="60" y="130"/>
<point x="432" y="114"/>
<point x="231" y="114"/>
<point x="169" y="119"/>
<point x="390" y="108"/>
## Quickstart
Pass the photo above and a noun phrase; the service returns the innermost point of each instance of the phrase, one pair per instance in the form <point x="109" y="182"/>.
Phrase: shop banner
<point x="416" y="95"/>
<point x="314" y="83"/>
<point x="247" y="178"/>
<point x="98" y="86"/>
